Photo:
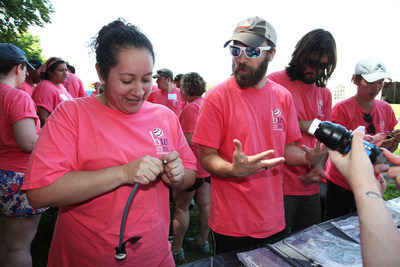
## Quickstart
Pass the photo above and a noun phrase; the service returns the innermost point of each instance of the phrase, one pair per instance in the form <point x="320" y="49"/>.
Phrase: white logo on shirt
<point x="277" y="121"/>
<point x="160" y="143"/>
<point x="321" y="110"/>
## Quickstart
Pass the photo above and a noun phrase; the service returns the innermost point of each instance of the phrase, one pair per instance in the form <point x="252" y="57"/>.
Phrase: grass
<point x="193" y="230"/>
<point x="391" y="192"/>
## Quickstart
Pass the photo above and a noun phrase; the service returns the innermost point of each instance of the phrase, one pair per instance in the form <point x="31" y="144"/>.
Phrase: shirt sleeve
<point x="44" y="97"/>
<point x="59" y="139"/>
<point x="210" y="125"/>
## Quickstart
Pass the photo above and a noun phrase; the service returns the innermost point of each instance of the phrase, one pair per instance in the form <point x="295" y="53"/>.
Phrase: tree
<point x="17" y="15"/>
<point x="30" y="44"/>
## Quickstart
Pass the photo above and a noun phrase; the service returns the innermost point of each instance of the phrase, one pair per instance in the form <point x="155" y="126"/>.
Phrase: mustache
<point x="242" y="66"/>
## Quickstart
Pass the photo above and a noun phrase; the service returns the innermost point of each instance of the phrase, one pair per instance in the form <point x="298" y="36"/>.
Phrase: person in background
<point x="192" y="89"/>
<point x="177" y="80"/>
<point x="32" y="79"/>
<point x="71" y="69"/>
<point x="88" y="167"/>
<point x="362" y="109"/>
<point x="98" y="88"/>
<point x="243" y="122"/>
<point x="167" y="94"/>
<point x="19" y="126"/>
<point x="312" y="64"/>
<point x="73" y="84"/>
<point x="380" y="238"/>
<point x="50" y="92"/>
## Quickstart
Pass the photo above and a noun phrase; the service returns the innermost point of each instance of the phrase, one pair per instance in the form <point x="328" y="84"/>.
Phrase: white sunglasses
<point x="250" y="52"/>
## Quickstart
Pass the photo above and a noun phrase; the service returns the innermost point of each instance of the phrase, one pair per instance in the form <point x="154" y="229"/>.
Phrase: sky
<point x="189" y="35"/>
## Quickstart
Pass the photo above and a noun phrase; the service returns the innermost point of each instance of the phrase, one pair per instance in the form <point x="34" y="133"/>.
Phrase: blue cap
<point x="11" y="52"/>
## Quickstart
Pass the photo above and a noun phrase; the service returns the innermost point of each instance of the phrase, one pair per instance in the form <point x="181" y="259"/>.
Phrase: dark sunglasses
<point x="368" y="119"/>
<point x="313" y="63"/>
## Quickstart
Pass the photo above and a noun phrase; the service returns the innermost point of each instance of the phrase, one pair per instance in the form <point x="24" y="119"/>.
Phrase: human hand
<point x="314" y="176"/>
<point x="355" y="166"/>
<point x="243" y="165"/>
<point x="313" y="155"/>
<point x="375" y="139"/>
<point x="143" y="170"/>
<point x="392" y="140"/>
<point x="392" y="172"/>
<point x="173" y="169"/>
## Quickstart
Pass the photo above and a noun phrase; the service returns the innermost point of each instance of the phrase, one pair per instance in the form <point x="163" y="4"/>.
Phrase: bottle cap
<point x="314" y="126"/>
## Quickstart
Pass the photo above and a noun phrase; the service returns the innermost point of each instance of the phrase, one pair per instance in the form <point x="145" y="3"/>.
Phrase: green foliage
<point x="391" y="192"/>
<point x="17" y="15"/>
<point x="30" y="44"/>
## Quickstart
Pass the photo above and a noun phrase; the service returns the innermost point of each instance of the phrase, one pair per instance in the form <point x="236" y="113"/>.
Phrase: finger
<point x="155" y="169"/>
<point x="158" y="163"/>
<point x="357" y="144"/>
<point x="377" y="139"/>
<point x="319" y="172"/>
<point x="394" y="172"/>
<point x="378" y="168"/>
<point x="261" y="156"/>
<point x="306" y="148"/>
<point x="319" y="144"/>
<point x="169" y="157"/>
<point x="394" y="159"/>
<point x="166" y="179"/>
<point x="270" y="163"/>
<point x="238" y="146"/>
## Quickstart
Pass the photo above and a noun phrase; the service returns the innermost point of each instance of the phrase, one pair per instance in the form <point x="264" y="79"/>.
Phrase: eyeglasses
<point x="368" y="119"/>
<point x="312" y="63"/>
<point x="250" y="52"/>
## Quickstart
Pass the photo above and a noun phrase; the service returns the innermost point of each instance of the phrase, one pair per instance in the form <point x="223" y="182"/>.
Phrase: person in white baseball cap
<point x="362" y="109"/>
<point x="371" y="69"/>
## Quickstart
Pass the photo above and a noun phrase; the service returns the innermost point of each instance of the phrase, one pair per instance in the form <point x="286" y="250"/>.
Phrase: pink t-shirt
<point x="85" y="135"/>
<point x="172" y="100"/>
<point x="74" y="86"/>
<point x="15" y="105"/>
<point x="48" y="95"/>
<point x="27" y="88"/>
<point x="350" y="114"/>
<point x="311" y="102"/>
<point x="261" y="119"/>
<point x="188" y="120"/>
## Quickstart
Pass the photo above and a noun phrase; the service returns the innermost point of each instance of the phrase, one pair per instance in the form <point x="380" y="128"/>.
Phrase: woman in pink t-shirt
<point x="50" y="92"/>
<point x="96" y="152"/>
<point x="19" y="126"/>
<point x="193" y="87"/>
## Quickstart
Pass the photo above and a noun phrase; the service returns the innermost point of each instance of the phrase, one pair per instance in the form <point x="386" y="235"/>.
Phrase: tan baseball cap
<point x="253" y="32"/>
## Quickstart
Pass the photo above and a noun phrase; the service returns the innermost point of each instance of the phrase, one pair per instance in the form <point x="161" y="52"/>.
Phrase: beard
<point x="253" y="76"/>
<point x="306" y="80"/>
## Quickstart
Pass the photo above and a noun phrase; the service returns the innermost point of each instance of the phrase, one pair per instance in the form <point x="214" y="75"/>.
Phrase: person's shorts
<point x="13" y="203"/>
<point x="199" y="182"/>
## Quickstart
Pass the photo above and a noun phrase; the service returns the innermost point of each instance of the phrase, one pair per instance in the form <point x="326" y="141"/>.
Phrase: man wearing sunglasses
<point x="313" y="62"/>
<point x="375" y="115"/>
<point x="246" y="129"/>
<point x="167" y="94"/>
